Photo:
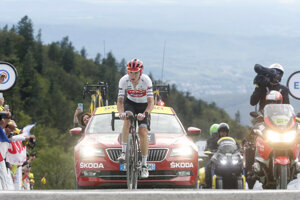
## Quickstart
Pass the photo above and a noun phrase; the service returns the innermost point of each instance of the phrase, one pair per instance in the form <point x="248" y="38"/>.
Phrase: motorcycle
<point x="226" y="166"/>
<point x="277" y="147"/>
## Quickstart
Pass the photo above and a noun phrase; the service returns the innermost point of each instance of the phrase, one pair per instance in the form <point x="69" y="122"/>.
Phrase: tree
<point x="54" y="52"/>
<point x="28" y="79"/>
<point x="25" y="29"/>
<point x="122" y="66"/>
<point x="238" y="117"/>
<point x="83" y="52"/>
<point x="39" y="57"/>
<point x="68" y="58"/>
<point x="98" y="59"/>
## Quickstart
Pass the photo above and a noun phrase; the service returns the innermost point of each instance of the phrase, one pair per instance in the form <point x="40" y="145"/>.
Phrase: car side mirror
<point x="75" y="131"/>
<point x="254" y="114"/>
<point x="194" y="131"/>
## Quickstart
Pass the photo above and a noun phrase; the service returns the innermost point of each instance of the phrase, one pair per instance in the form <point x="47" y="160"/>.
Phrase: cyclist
<point x="138" y="88"/>
<point x="260" y="92"/>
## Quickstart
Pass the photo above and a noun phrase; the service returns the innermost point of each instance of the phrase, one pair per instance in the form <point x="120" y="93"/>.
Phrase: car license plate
<point x="150" y="166"/>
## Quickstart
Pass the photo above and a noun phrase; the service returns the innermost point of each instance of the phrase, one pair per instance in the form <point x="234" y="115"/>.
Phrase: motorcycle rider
<point x="222" y="131"/>
<point x="211" y="143"/>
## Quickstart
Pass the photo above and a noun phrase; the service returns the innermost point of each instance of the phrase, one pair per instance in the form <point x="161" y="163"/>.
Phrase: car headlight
<point x="90" y="151"/>
<point x="275" y="137"/>
<point x="185" y="151"/>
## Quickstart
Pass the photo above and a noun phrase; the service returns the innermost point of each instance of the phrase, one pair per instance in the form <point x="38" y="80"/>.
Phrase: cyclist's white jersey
<point x="142" y="92"/>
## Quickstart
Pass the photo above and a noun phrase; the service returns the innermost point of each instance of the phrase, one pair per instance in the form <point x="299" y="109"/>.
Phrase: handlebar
<point x="130" y="117"/>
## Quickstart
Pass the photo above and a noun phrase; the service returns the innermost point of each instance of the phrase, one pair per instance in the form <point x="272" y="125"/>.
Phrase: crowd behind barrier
<point x="16" y="152"/>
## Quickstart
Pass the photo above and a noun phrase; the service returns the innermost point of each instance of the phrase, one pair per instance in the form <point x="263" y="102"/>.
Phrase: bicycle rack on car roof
<point x="158" y="89"/>
<point x="91" y="89"/>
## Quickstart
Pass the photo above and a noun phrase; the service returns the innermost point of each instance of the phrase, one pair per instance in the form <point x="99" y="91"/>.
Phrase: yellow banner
<point x="113" y="108"/>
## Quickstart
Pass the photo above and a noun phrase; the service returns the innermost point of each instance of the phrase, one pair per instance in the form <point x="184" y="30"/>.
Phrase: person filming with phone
<point x="84" y="118"/>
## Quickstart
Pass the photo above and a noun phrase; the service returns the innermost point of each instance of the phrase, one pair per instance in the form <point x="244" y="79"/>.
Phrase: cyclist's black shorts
<point x="136" y="108"/>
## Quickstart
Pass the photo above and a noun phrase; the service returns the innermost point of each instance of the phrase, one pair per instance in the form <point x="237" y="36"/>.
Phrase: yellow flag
<point x="43" y="180"/>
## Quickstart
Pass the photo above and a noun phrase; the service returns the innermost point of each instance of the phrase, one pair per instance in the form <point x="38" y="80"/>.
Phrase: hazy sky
<point x="228" y="16"/>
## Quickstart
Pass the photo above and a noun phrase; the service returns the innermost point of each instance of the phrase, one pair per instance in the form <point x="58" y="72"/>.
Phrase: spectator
<point x="78" y="111"/>
<point x="83" y="120"/>
<point x="1" y="102"/>
<point x="4" y="144"/>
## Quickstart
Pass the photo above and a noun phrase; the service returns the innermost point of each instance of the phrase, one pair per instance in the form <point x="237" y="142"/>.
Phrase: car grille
<point x="121" y="175"/>
<point x="155" y="155"/>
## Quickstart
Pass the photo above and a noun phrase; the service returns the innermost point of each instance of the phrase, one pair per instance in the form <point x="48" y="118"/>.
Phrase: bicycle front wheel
<point x="136" y="168"/>
<point x="131" y="157"/>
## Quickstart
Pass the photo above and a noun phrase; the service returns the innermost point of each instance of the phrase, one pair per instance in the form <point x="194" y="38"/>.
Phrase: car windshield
<point x="160" y="123"/>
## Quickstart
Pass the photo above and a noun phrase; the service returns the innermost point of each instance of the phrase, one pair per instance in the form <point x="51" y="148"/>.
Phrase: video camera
<point x="264" y="75"/>
<point x="3" y="115"/>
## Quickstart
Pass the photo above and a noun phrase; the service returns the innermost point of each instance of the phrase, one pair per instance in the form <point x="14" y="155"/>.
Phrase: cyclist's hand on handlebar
<point x="122" y="115"/>
<point x="141" y="116"/>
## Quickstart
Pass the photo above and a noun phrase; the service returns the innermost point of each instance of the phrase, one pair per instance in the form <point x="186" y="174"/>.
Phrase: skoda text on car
<point x="172" y="159"/>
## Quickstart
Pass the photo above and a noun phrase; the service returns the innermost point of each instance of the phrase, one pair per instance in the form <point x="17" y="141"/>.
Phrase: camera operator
<point x="268" y="79"/>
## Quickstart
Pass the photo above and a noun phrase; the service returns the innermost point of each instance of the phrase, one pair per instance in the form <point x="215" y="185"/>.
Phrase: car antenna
<point x="163" y="61"/>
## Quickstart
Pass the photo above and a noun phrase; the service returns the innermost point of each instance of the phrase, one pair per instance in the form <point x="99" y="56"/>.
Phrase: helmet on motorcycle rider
<point x="278" y="71"/>
<point x="274" y="97"/>
<point x="135" y="65"/>
<point x="223" y="127"/>
<point x="213" y="129"/>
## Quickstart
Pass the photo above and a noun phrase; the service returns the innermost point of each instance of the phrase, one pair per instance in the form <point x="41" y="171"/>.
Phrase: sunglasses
<point x="277" y="71"/>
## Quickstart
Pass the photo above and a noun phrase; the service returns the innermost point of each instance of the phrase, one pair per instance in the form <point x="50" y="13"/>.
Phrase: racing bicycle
<point x="133" y="157"/>
<point x="98" y="93"/>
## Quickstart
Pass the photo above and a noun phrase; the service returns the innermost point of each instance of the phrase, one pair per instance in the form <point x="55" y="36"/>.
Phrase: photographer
<point x="268" y="79"/>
